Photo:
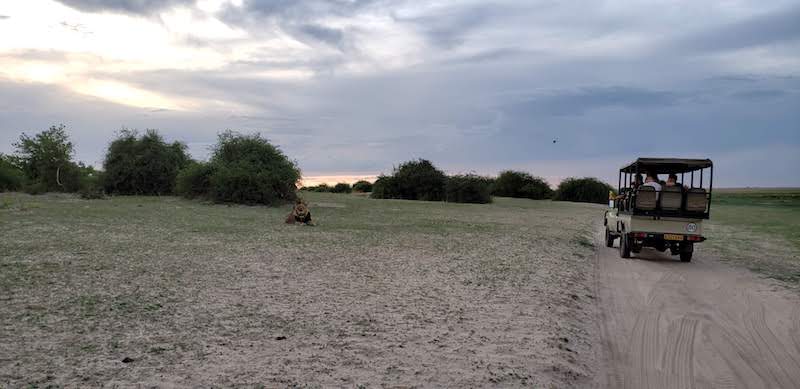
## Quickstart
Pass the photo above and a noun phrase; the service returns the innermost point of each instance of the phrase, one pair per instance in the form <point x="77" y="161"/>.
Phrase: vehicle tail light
<point x="694" y="237"/>
<point x="639" y="235"/>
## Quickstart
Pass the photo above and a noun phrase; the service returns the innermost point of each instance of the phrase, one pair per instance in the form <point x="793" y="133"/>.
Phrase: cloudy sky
<point x="352" y="87"/>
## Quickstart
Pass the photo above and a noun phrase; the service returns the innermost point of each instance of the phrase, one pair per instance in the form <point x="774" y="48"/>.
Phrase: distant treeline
<point x="246" y="169"/>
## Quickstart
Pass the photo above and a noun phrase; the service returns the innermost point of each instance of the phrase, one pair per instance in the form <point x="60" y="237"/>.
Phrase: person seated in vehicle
<point x="637" y="181"/>
<point x="672" y="180"/>
<point x="652" y="180"/>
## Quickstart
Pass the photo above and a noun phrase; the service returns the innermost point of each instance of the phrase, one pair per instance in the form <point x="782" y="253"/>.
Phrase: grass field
<point x="382" y="292"/>
<point x="758" y="228"/>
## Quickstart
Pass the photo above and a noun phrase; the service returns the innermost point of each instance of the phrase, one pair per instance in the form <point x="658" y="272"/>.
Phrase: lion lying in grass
<point x="300" y="214"/>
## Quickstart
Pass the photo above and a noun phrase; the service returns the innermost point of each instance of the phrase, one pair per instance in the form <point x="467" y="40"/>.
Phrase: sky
<point x="351" y="88"/>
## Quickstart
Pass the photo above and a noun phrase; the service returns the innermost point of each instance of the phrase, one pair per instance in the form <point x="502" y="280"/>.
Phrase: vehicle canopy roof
<point x="666" y="165"/>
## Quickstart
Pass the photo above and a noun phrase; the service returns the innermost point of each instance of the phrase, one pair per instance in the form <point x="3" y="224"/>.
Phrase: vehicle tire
<point x="609" y="238"/>
<point x="660" y="246"/>
<point x="624" y="246"/>
<point x="686" y="252"/>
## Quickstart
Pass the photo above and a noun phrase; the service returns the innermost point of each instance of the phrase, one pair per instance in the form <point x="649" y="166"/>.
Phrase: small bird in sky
<point x="555" y="140"/>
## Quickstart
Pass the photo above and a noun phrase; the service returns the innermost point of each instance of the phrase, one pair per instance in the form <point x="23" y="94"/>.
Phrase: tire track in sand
<point x="703" y="324"/>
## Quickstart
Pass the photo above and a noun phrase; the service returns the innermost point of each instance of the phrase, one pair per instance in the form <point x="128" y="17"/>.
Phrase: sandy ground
<point x="142" y="292"/>
<point x="704" y="324"/>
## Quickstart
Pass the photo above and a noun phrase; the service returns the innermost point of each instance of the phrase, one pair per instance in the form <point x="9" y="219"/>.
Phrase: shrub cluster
<point x="362" y="186"/>
<point x="468" y="188"/>
<point x="194" y="180"/>
<point x="522" y="185"/>
<point x="12" y="178"/>
<point x="145" y="165"/>
<point x="584" y="190"/>
<point x="342" y="188"/>
<point x="420" y="180"/>
<point x="43" y="163"/>
<point x="412" y="180"/>
<point x="244" y="169"/>
<point x="318" y="188"/>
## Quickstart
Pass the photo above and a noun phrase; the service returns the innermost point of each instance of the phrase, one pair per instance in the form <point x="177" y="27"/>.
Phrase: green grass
<point x="759" y="228"/>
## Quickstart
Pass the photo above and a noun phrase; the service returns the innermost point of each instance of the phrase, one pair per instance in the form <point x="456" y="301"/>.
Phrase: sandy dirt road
<point x="704" y="324"/>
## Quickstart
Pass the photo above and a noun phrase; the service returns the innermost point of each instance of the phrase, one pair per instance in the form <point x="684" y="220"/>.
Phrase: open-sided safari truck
<point x="669" y="219"/>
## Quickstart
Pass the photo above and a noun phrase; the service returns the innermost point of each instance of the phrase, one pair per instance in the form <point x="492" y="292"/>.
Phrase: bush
<point x="342" y="188"/>
<point x="12" y="178"/>
<point x="244" y="169"/>
<point x="384" y="187"/>
<point x="468" y="188"/>
<point x="362" y="186"/>
<point x="414" y="180"/>
<point x="319" y="188"/>
<point x="145" y="165"/>
<point x="35" y="188"/>
<point x="45" y="160"/>
<point x="584" y="190"/>
<point x="522" y="185"/>
<point x="194" y="180"/>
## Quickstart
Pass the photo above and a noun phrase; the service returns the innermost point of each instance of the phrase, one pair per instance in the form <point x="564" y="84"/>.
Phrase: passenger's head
<point x="651" y="178"/>
<point x="637" y="179"/>
<point x="672" y="180"/>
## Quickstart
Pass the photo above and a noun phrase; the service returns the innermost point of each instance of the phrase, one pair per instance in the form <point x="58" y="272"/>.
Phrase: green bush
<point x="46" y="161"/>
<point x="468" y="188"/>
<point x="385" y="187"/>
<point x="12" y="178"/>
<point x="319" y="188"/>
<point x="35" y="188"/>
<point x="194" y="180"/>
<point x="362" y="186"/>
<point x="244" y="169"/>
<point x="342" y="188"/>
<point x="414" y="180"/>
<point x="145" y="165"/>
<point x="584" y="190"/>
<point x="522" y="185"/>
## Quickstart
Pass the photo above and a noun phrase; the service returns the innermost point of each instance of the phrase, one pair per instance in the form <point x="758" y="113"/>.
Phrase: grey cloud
<point x="760" y="94"/>
<point x="486" y="56"/>
<point x="774" y="27"/>
<point x="448" y="28"/>
<point x="577" y="102"/>
<point x="331" y="36"/>
<point x="2" y="17"/>
<point x="139" y="7"/>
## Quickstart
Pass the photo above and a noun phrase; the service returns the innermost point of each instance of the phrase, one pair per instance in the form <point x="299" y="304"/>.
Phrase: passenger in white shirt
<point x="652" y="180"/>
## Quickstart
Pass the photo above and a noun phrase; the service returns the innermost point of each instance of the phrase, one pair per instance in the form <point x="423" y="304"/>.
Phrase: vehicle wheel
<point x="661" y="246"/>
<point x="609" y="238"/>
<point x="624" y="246"/>
<point x="686" y="252"/>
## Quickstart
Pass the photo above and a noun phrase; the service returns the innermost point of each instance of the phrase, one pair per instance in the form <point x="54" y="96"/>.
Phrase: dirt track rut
<point x="668" y="324"/>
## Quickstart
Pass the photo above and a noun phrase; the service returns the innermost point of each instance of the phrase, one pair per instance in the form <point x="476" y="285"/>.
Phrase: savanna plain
<point x="162" y="291"/>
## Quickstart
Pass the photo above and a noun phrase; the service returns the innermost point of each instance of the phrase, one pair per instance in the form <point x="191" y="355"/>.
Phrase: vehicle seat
<point x="671" y="198"/>
<point x="696" y="200"/>
<point x="646" y="197"/>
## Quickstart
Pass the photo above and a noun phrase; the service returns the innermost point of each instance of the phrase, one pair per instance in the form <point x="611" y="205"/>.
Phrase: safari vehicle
<point x="669" y="219"/>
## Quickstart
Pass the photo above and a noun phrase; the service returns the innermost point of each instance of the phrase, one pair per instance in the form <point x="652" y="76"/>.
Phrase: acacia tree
<point x="46" y="160"/>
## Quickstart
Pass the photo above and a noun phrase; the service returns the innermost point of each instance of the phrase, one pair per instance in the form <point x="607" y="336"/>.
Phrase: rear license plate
<point x="673" y="237"/>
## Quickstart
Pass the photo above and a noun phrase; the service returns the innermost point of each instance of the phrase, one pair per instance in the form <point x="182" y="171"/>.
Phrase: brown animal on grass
<point x="300" y="213"/>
